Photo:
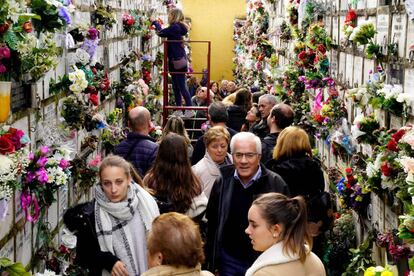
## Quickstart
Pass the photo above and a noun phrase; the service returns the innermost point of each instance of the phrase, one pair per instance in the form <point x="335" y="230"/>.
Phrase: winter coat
<point x="303" y="175"/>
<point x="140" y="150"/>
<point x="274" y="262"/>
<point x="219" y="206"/>
<point x="261" y="129"/>
<point x="237" y="117"/>
<point x="207" y="171"/>
<point x="196" y="210"/>
<point x="168" y="270"/>
<point x="81" y="220"/>
<point x="268" y="145"/>
<point x="175" y="31"/>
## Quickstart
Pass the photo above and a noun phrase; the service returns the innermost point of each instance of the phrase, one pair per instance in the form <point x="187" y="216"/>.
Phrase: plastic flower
<point x="82" y="56"/>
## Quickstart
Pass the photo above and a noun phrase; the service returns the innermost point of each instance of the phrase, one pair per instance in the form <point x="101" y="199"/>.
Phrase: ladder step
<point x="193" y="119"/>
<point x="194" y="129"/>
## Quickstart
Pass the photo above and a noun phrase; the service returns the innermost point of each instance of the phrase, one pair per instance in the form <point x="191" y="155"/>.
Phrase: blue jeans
<point x="230" y="266"/>
<point x="179" y="86"/>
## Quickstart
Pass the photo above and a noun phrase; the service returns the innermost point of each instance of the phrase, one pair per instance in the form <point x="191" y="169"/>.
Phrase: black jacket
<point x="140" y="150"/>
<point x="261" y="129"/>
<point x="303" y="175"/>
<point x="175" y="31"/>
<point x="81" y="220"/>
<point x="237" y="116"/>
<point x="268" y="145"/>
<point x="219" y="207"/>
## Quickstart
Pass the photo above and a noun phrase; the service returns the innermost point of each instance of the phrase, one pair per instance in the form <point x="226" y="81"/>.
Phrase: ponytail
<point x="291" y="214"/>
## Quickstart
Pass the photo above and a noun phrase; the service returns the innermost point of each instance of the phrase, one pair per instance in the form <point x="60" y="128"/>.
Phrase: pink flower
<point x="3" y="69"/>
<point x="64" y="164"/>
<point x="41" y="162"/>
<point x="4" y="52"/>
<point x="44" y="150"/>
<point x="407" y="163"/>
<point x="96" y="161"/>
<point x="31" y="156"/>
<point x="93" y="33"/>
<point x="42" y="175"/>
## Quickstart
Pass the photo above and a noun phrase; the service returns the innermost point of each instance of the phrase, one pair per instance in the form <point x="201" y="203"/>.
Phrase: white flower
<point x="371" y="170"/>
<point x="47" y="273"/>
<point x="57" y="176"/>
<point x="82" y="56"/>
<point x="6" y="165"/>
<point x="387" y="183"/>
<point x="379" y="269"/>
<point x="55" y="3"/>
<point x="68" y="239"/>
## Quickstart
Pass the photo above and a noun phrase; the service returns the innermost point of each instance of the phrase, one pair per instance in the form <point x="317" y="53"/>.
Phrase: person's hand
<point x="119" y="269"/>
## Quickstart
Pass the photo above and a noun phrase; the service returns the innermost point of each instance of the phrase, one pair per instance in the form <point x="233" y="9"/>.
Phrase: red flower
<point x="348" y="171"/>
<point x="321" y="48"/>
<point x="4" y="52"/>
<point x="319" y="118"/>
<point x="392" y="145"/>
<point x="6" y="145"/>
<point x="386" y="169"/>
<point x="398" y="135"/>
<point x="4" y="27"/>
<point x="93" y="98"/>
<point x="351" y="18"/>
<point x="302" y="55"/>
<point x="28" y="27"/>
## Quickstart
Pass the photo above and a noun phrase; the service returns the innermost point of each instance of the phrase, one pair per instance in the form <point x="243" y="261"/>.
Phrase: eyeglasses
<point x="248" y="155"/>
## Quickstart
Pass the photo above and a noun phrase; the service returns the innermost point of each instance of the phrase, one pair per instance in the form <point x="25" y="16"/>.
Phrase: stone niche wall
<point x="350" y="67"/>
<point x="34" y="106"/>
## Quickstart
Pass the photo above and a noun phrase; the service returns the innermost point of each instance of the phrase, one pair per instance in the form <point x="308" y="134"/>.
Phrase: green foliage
<point x="12" y="269"/>
<point x="361" y="258"/>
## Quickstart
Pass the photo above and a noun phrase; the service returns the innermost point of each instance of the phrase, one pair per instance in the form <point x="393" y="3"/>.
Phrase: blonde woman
<point x="176" y="125"/>
<point x="177" y="58"/>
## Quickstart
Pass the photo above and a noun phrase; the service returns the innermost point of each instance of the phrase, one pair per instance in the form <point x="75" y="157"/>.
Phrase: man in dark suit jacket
<point x="228" y="248"/>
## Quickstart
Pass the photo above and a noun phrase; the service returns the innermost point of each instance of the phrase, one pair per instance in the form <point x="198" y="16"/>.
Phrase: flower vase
<point x="5" y="94"/>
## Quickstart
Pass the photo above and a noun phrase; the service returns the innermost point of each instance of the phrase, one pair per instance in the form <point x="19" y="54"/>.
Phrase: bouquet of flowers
<point x="395" y="247"/>
<point x="53" y="15"/>
<point x="378" y="271"/>
<point x="45" y="173"/>
<point x="393" y="99"/>
<point x="363" y="33"/>
<point x="104" y="16"/>
<point x="365" y="129"/>
<point x="350" y="22"/>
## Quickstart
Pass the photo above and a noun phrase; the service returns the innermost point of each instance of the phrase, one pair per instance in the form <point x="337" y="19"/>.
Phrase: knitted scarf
<point x="113" y="227"/>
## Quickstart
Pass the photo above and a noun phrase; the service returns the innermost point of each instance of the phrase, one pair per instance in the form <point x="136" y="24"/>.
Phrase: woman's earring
<point x="274" y="235"/>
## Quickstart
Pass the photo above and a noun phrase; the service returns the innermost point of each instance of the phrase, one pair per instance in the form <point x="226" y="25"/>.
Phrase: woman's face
<point x="115" y="183"/>
<point x="217" y="150"/>
<point x="214" y="88"/>
<point x="251" y="115"/>
<point x="259" y="231"/>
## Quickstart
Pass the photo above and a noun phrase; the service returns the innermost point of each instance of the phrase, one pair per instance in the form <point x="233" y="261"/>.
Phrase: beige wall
<point x="213" y="20"/>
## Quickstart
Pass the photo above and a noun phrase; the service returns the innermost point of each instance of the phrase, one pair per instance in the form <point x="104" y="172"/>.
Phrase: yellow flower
<point x="387" y="273"/>
<point x="370" y="271"/>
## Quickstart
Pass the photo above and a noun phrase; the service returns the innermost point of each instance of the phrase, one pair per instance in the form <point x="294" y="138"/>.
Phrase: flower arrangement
<point x="361" y="257"/>
<point x="74" y="112"/>
<point x="44" y="174"/>
<point x="395" y="247"/>
<point x="104" y="16"/>
<point x="393" y="99"/>
<point x="350" y="23"/>
<point x="318" y="37"/>
<point x="85" y="173"/>
<point x="38" y="56"/>
<point x="365" y="129"/>
<point x="53" y="15"/>
<point x="146" y="67"/>
<point x="378" y="271"/>
<point x="155" y="132"/>
<point x="363" y="33"/>
<point x="78" y="79"/>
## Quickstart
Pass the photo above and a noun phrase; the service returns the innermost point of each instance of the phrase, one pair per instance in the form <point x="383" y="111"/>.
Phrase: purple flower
<point x="90" y="46"/>
<point x="41" y="162"/>
<point x="64" y="164"/>
<point x="42" y="176"/>
<point x="67" y="2"/>
<point x="29" y="177"/>
<point x="146" y="58"/>
<point x="302" y="78"/>
<point x="93" y="33"/>
<point x="3" y="69"/>
<point x="63" y="13"/>
<point x="44" y="150"/>
<point x="31" y="156"/>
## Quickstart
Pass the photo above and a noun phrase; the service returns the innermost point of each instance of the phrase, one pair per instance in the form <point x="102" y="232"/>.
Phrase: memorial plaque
<point x="358" y="70"/>
<point x="361" y="4"/>
<point x="328" y="25"/>
<point x="7" y="251"/>
<point x="46" y="82"/>
<point x="382" y="117"/>
<point x="391" y="219"/>
<point x="409" y="84"/>
<point x="369" y="68"/>
<point x="349" y="70"/>
<point x="49" y="113"/>
<point x="410" y="40"/>
<point x="24" y="245"/>
<point x="342" y="67"/>
<point x="395" y="72"/>
<point x="61" y="68"/>
<point x="398" y="32"/>
<point x="19" y="213"/>
<point x="63" y="200"/>
<point x="52" y="214"/>
<point x="341" y="28"/>
<point x="383" y="31"/>
<point x="7" y="223"/>
<point x="334" y="64"/>
<point x="371" y="4"/>
<point x="335" y="30"/>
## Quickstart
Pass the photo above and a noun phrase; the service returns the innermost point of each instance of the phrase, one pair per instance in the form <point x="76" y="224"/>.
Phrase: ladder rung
<point x="193" y="119"/>
<point x="193" y="129"/>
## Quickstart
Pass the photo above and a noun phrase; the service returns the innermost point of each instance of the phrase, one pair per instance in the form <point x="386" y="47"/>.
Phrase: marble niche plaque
<point x="369" y="67"/>
<point x="349" y="69"/>
<point x="334" y="63"/>
<point x="409" y="84"/>
<point x="410" y="40"/>
<point x="358" y="66"/>
<point x="342" y="67"/>
<point x="383" y="24"/>
<point x="335" y="30"/>
<point x="371" y="4"/>
<point x="7" y="251"/>
<point x="398" y="32"/>
<point x="24" y="245"/>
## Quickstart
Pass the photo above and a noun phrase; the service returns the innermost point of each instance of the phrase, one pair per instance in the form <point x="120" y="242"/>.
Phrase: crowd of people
<point x="239" y="201"/>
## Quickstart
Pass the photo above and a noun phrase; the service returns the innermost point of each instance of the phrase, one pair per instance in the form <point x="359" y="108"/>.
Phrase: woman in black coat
<point x="238" y="111"/>
<point x="293" y="161"/>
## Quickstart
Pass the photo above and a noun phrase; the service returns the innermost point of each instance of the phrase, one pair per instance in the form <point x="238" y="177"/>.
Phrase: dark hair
<point x="176" y="124"/>
<point x="214" y="82"/>
<point x="243" y="99"/>
<point x="291" y="215"/>
<point x="177" y="237"/>
<point x="172" y="175"/>
<point x="283" y="114"/>
<point x="258" y="114"/>
<point x="218" y="112"/>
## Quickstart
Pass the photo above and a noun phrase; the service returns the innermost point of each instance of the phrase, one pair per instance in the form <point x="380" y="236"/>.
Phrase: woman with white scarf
<point x="278" y="228"/>
<point x="112" y="229"/>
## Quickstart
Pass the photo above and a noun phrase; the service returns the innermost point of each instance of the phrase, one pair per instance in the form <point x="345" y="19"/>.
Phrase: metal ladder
<point x="193" y="125"/>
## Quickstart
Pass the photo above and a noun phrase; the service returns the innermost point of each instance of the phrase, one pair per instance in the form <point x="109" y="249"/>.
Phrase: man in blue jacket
<point x="139" y="148"/>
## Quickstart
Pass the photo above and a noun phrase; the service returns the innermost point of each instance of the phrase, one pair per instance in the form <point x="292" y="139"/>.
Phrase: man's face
<point x="231" y="87"/>
<point x="202" y="93"/>
<point x="264" y="107"/>
<point x="246" y="159"/>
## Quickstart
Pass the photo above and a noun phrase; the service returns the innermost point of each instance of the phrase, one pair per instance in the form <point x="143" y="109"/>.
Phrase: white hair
<point x="246" y="136"/>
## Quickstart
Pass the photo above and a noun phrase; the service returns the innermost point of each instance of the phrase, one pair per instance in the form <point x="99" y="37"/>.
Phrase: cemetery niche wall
<point x="346" y="67"/>
<point x="68" y="77"/>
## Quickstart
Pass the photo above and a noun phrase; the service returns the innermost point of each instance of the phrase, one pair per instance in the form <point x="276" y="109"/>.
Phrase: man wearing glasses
<point x="228" y="248"/>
